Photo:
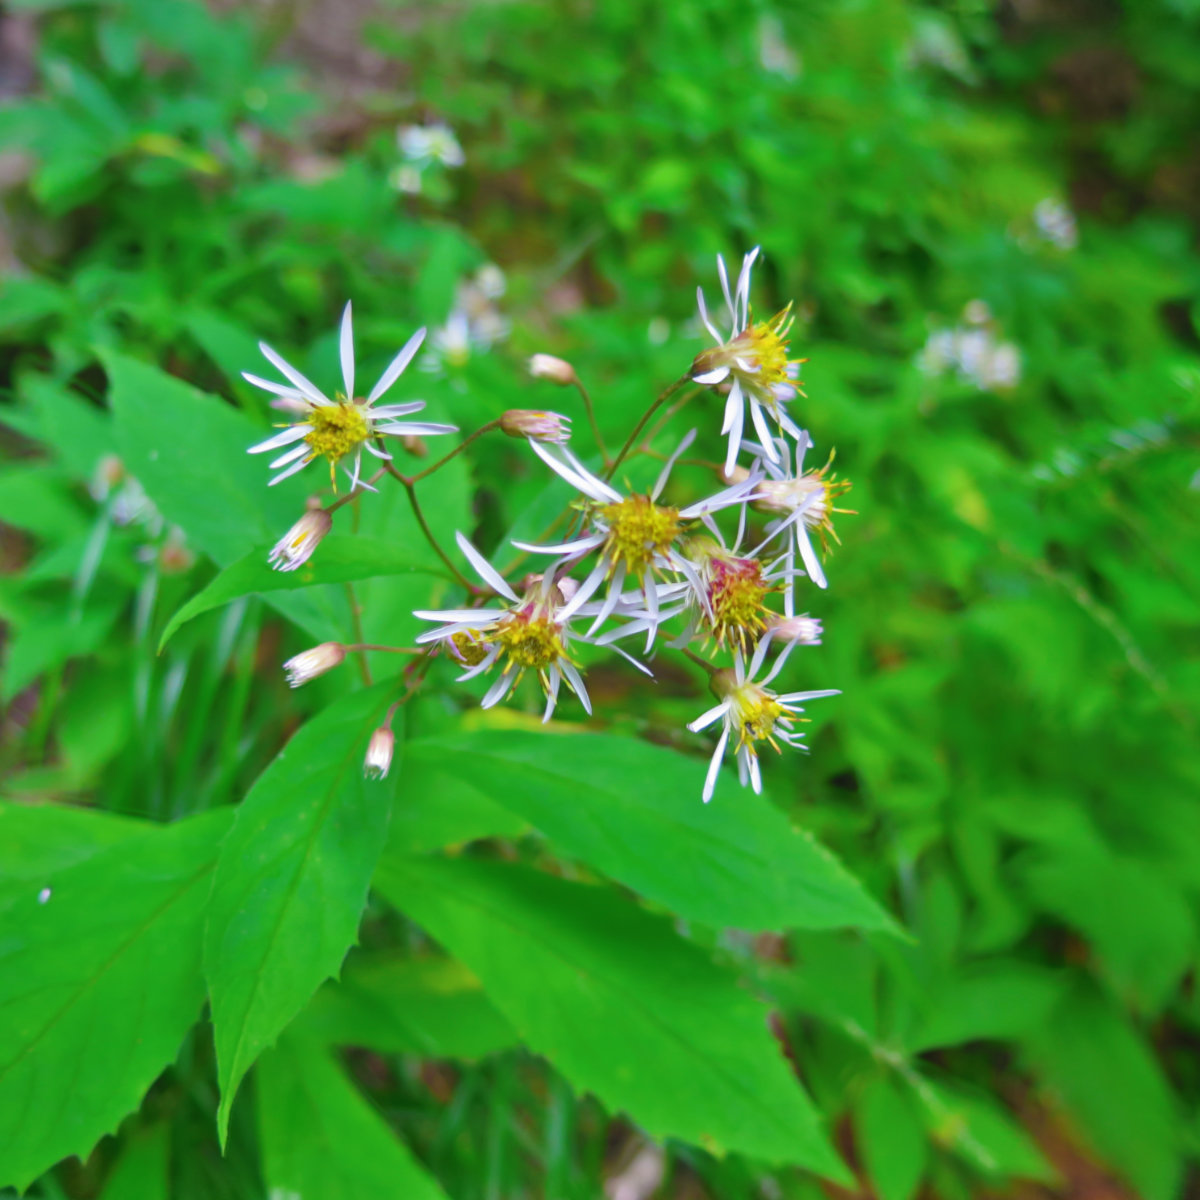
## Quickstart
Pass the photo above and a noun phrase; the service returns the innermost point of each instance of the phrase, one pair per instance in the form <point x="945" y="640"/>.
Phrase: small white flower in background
<point x="380" y="748"/>
<point x="750" y="713"/>
<point x="127" y="501"/>
<point x="973" y="352"/>
<point x="774" y="53"/>
<point x="752" y="363"/>
<point x="335" y="428"/>
<point x="308" y="664"/>
<point x="805" y="502"/>
<point x="297" y="545"/>
<point x="537" y="425"/>
<point x="430" y="143"/>
<point x="530" y="633"/>
<point x="474" y="323"/>
<point x="1055" y="223"/>
<point x="637" y="538"/>
<point x="490" y="281"/>
<point x="406" y="178"/>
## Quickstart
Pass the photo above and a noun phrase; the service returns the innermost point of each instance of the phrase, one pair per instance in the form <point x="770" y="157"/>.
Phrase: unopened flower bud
<point x="297" y="545"/>
<point x="379" y="754"/>
<point x="557" y="370"/>
<point x="805" y="629"/>
<point x="415" y="445"/>
<point x="737" y="475"/>
<point x="308" y="664"/>
<point x="567" y="587"/>
<point x="538" y="425"/>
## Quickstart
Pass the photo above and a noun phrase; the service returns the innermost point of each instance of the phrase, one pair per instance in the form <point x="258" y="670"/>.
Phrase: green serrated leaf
<point x="340" y="559"/>
<point x="431" y="1006"/>
<point x="100" y="978"/>
<point x="620" y="1004"/>
<point x="320" y="1138"/>
<point x="634" y="811"/>
<point x="292" y="882"/>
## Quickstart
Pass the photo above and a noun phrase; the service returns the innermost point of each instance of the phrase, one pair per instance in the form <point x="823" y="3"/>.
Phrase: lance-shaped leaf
<point x="633" y="811"/>
<point x="321" y="1138"/>
<point x="620" y="1004"/>
<point x="341" y="558"/>
<point x="100" y="978"/>
<point x="292" y="882"/>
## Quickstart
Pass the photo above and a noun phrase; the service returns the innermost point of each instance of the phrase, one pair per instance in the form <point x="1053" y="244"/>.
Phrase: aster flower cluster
<point x="713" y="578"/>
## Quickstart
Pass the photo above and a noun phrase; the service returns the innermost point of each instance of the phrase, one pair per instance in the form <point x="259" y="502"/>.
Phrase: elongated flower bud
<point x="538" y="425"/>
<point x="379" y="754"/>
<point x="557" y="370"/>
<point x="308" y="664"/>
<point x="297" y="545"/>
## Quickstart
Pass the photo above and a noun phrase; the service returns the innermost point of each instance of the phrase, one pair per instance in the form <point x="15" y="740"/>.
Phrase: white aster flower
<point x="530" y="632"/>
<point x="430" y="143"/>
<point x="637" y="538"/>
<point x="805" y="500"/>
<point x="345" y="425"/>
<point x="750" y="712"/>
<point x="752" y="363"/>
<point x="308" y="664"/>
<point x="1055" y="223"/>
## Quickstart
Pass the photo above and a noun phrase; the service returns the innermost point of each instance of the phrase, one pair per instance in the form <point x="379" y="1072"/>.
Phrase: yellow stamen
<point x="335" y="430"/>
<point x="639" y="531"/>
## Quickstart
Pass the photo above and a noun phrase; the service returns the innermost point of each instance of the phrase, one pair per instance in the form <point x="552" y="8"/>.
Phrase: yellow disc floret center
<point x="529" y="642"/>
<point x="757" y="711"/>
<point x="336" y="430"/>
<point x="639" y="531"/>
<point x="737" y="594"/>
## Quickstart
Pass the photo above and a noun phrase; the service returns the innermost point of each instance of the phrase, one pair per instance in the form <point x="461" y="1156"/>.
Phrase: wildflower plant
<point x="634" y="562"/>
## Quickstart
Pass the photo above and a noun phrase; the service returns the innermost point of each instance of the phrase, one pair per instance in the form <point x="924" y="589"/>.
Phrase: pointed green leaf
<point x="341" y="558"/>
<point x="99" y="981"/>
<point x="620" y="1004"/>
<point x="634" y="811"/>
<point x="891" y="1138"/>
<point x="321" y="1138"/>
<point x="141" y="1173"/>
<point x="292" y="881"/>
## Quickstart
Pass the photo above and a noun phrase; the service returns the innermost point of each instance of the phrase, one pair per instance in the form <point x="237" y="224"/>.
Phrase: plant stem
<point x="663" y="396"/>
<point x="356" y="621"/>
<point x="441" y="462"/>
<point x="354" y="495"/>
<point x="591" y="412"/>
<point x="416" y="507"/>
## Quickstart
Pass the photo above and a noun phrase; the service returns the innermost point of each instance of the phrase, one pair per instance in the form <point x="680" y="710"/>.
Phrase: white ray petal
<point x="397" y="365"/>
<point x="296" y="466"/>
<point x="305" y="385"/>
<point x="484" y="569"/>
<point x="293" y="433"/>
<point x="714" y="766"/>
<point x="704" y="720"/>
<point x="346" y="351"/>
<point x="290" y="456"/>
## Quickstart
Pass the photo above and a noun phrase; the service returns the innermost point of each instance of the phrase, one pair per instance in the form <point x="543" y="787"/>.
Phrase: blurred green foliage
<point x="987" y="217"/>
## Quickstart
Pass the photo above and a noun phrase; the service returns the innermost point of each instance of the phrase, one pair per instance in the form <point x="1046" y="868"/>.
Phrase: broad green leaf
<point x="39" y="840"/>
<point x="438" y="808"/>
<point x="891" y="1138"/>
<point x="430" y="1006"/>
<point x="1002" y="1001"/>
<point x="1109" y="1080"/>
<point x="292" y="881"/>
<point x="341" y="558"/>
<point x="142" y="1171"/>
<point x="982" y="1133"/>
<point x="188" y="450"/>
<point x="634" y="811"/>
<point x="100" y="979"/>
<point x="321" y="1139"/>
<point x="620" y="1004"/>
